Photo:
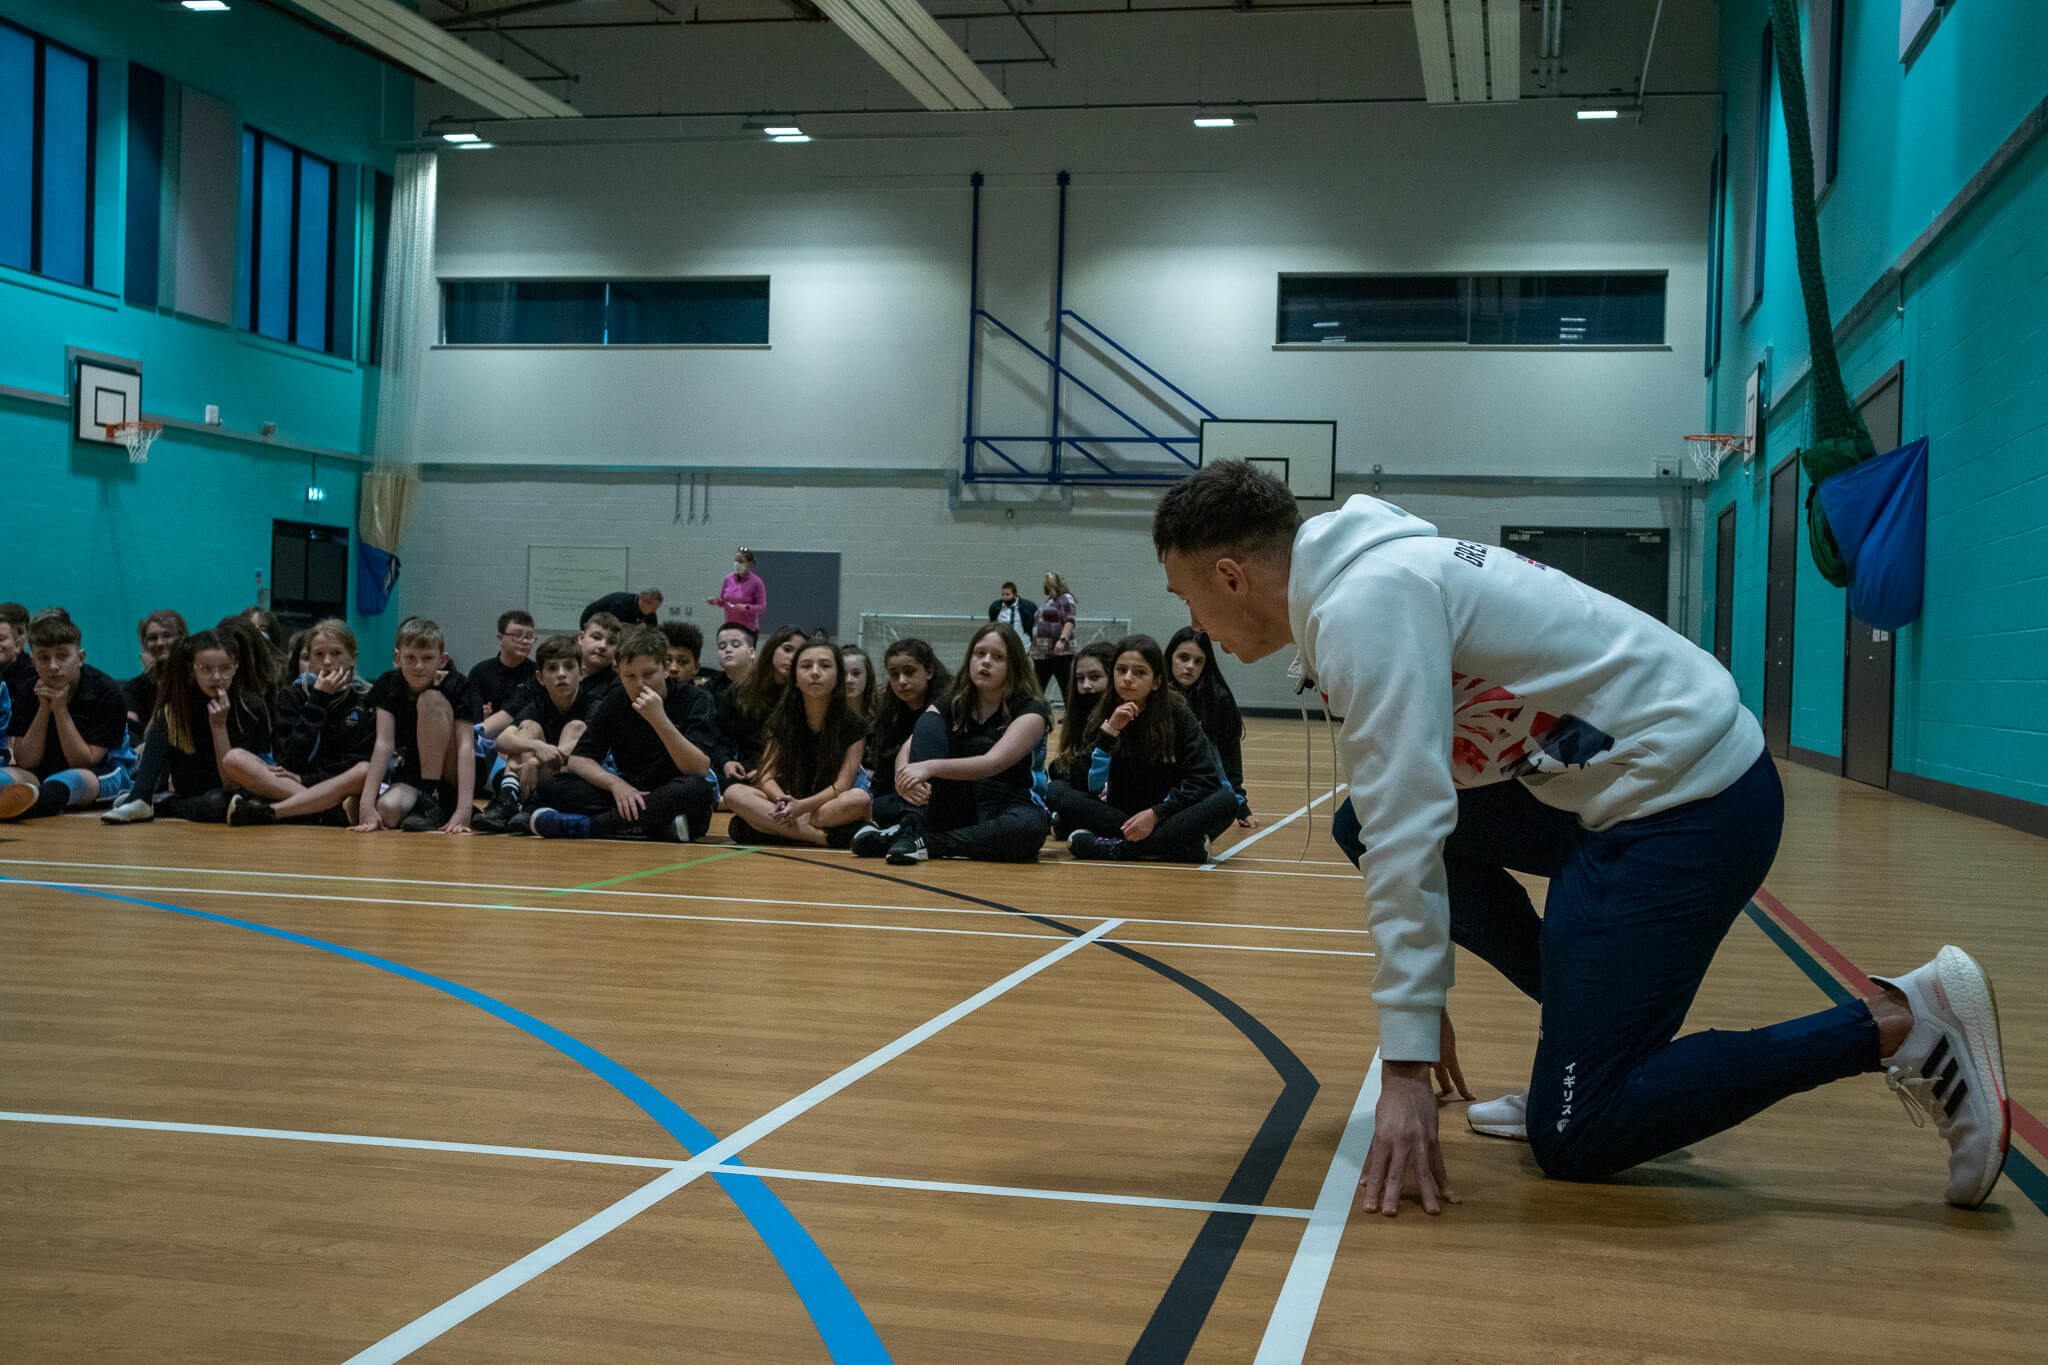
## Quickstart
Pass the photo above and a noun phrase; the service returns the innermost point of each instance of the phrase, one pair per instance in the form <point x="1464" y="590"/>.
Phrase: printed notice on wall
<point x="563" y="579"/>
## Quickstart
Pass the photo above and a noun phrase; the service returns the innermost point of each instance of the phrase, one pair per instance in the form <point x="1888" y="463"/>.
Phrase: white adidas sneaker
<point x="1950" y="1069"/>
<point x="1506" y="1117"/>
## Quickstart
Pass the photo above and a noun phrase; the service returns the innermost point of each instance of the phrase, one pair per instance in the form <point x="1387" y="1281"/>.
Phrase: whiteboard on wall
<point x="561" y="580"/>
<point x="1303" y="455"/>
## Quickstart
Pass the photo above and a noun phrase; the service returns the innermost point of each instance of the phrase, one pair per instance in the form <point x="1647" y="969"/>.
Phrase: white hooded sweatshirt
<point x="1456" y="664"/>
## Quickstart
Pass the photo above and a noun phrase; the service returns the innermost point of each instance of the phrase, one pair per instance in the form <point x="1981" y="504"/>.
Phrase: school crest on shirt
<point x="1496" y="735"/>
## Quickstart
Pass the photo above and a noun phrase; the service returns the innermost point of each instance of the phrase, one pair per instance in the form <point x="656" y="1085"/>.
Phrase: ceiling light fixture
<point x="205" y="6"/>
<point x="460" y="137"/>
<point x="790" y="137"/>
<point x="1225" y="118"/>
<point x="474" y="146"/>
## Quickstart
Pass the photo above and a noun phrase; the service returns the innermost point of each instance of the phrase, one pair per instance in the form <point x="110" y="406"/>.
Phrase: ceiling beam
<point x="440" y="57"/>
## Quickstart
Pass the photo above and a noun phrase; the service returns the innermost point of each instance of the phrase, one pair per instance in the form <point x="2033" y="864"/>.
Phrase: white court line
<point x="483" y="1294"/>
<point x="1014" y="1192"/>
<point x="1233" y="870"/>
<point x="1242" y="844"/>
<point x="341" y="1139"/>
<point x="653" y="1162"/>
<point x="712" y="919"/>
<point x="480" y="1296"/>
<point x="662" y="895"/>
<point x="1301" y="1296"/>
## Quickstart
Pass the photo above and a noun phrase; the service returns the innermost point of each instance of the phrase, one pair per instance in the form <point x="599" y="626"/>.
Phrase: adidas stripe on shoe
<point x="1951" y="1069"/>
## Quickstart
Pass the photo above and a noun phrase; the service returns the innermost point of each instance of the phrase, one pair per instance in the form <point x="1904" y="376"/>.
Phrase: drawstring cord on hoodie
<point x="1302" y="682"/>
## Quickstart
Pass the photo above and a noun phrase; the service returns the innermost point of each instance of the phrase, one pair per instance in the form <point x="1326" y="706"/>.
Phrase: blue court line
<point x="2026" y="1177"/>
<point x="847" y="1333"/>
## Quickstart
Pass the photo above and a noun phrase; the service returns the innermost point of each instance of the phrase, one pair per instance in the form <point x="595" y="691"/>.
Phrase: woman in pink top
<point x="743" y="595"/>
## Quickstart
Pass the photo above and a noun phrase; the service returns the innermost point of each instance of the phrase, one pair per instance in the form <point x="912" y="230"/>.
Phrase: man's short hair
<point x="514" y="618"/>
<point x="557" y="647"/>
<point x="654" y="593"/>
<point x="53" y="628"/>
<point x="606" y="622"/>
<point x="753" y="636"/>
<point x="1226" y="506"/>
<point x="683" y="635"/>
<point x="1009" y="587"/>
<point x="16" y="615"/>
<point x="642" y="642"/>
<point x="417" y="632"/>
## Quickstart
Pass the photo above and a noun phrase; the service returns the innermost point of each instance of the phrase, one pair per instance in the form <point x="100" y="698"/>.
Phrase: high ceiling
<point x="683" y="57"/>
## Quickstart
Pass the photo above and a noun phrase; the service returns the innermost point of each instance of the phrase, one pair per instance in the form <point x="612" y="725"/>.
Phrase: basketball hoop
<point x="137" y="436"/>
<point x="1705" y="452"/>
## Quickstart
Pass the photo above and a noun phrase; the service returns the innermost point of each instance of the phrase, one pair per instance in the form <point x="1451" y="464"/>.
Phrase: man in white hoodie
<point x="1499" y="714"/>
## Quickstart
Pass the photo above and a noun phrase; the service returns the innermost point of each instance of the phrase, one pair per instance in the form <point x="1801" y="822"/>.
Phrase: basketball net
<point x="137" y="437"/>
<point x="1704" y="453"/>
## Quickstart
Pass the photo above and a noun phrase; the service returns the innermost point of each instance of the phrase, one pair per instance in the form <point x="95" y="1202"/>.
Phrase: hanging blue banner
<point x="376" y="576"/>
<point x="1878" y="511"/>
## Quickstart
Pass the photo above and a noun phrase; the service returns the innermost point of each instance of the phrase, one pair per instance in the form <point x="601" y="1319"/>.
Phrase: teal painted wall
<point x="1972" y="674"/>
<point x="191" y="528"/>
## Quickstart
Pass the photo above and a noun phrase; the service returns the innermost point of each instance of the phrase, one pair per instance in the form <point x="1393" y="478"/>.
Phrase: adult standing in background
<point x="743" y="595"/>
<point x="1013" y="611"/>
<point x="1052" y="636"/>
<point x="641" y="608"/>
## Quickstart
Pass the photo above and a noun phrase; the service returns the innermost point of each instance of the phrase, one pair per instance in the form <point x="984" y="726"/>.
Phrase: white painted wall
<point x="1175" y="241"/>
<point x="1176" y="238"/>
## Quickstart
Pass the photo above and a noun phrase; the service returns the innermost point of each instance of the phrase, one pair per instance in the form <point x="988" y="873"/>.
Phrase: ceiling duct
<point x="1471" y="50"/>
<point x="437" y="56"/>
<point x="911" y="46"/>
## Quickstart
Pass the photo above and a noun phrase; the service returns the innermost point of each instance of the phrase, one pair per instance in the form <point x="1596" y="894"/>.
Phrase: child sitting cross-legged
<point x="1164" y="795"/>
<point x="808" y="787"/>
<point x="544" y="732"/>
<point x="657" y="735"/>
<point x="69" y="735"/>
<point x="426" y="724"/>
<point x="325" y="730"/>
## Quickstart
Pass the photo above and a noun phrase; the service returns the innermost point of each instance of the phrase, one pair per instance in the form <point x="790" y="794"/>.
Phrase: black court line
<point x="1183" y="1309"/>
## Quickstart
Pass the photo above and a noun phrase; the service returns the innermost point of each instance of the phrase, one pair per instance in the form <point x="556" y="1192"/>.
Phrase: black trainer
<point x="907" y="850"/>
<point x="872" y="841"/>
<point x="496" y="818"/>
<point x="245" y="810"/>
<point x="425" y="815"/>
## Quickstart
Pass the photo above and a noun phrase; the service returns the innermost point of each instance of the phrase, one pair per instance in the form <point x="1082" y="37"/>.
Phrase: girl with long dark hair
<point x="916" y="680"/>
<point x="976" y="764"/>
<point x="807" y="790"/>
<point x="1191" y="661"/>
<point x="1164" y="797"/>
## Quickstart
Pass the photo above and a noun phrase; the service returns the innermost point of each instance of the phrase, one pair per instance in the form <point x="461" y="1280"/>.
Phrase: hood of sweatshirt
<point x="1327" y="545"/>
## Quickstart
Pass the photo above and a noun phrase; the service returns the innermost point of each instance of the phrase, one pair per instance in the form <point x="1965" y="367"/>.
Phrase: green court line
<point x="635" y="876"/>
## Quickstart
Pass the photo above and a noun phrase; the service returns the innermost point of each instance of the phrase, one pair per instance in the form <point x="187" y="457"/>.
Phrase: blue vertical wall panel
<point x="1964" y="323"/>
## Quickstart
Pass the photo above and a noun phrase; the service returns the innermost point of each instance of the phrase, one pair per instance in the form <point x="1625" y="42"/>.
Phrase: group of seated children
<point x="617" y="732"/>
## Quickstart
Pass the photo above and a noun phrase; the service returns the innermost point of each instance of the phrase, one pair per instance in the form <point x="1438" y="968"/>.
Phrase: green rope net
<point x="1839" y="437"/>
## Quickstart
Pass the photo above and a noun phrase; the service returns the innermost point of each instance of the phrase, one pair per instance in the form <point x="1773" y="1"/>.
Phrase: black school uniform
<point x="540" y="708"/>
<point x="392" y="693"/>
<point x="615" y="732"/>
<point x="499" y="688"/>
<point x="999" y="818"/>
<point x="1186" y="794"/>
<point x="324" y="734"/>
<point x="98" y="707"/>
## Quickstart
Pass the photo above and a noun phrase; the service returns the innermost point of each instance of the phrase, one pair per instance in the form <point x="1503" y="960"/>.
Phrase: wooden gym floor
<point x="296" y="1095"/>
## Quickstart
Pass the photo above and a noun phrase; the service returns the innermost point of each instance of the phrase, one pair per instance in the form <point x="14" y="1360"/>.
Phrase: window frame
<point x="443" y="343"/>
<point x="1467" y="281"/>
<point x="38" y="123"/>
<point x="251" y="313"/>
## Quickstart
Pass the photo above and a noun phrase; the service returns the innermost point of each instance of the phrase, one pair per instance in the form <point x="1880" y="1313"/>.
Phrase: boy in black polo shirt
<point x="544" y="732"/>
<point x="69" y="742"/>
<point x="598" y="641"/>
<point x="428" y="726"/>
<point x="658" y="735"/>
<point x="500" y="681"/>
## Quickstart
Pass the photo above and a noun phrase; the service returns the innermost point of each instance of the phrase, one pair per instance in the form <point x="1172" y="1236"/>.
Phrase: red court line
<point x="2023" y="1122"/>
<point x="1851" y="974"/>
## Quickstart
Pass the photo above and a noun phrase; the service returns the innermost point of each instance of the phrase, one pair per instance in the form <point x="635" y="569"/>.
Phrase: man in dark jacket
<point x="641" y="608"/>
<point x="1013" y="612"/>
